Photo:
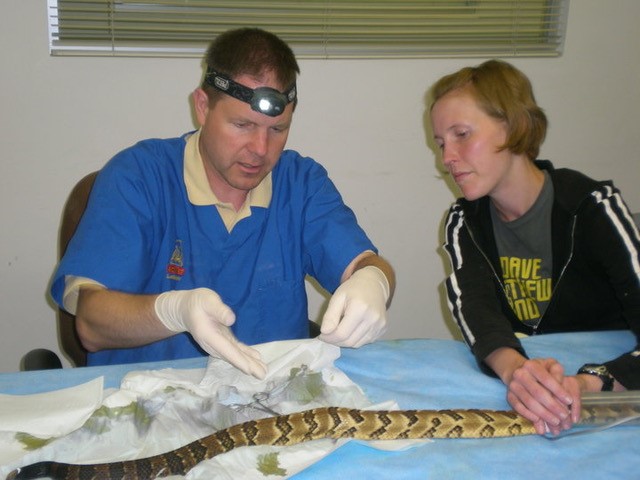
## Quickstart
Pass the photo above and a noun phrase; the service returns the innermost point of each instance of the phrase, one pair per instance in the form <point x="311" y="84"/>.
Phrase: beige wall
<point x="63" y="117"/>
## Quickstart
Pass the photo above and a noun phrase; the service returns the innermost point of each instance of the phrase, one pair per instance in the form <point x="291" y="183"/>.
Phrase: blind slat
<point x="313" y="28"/>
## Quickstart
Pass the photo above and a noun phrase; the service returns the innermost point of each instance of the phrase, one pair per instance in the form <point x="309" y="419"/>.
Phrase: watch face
<point x="599" y="369"/>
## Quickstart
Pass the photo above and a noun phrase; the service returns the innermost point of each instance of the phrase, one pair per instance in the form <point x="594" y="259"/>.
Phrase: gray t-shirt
<point x="524" y="247"/>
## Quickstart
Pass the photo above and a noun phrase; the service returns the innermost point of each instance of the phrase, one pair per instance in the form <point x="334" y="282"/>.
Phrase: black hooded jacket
<point x="596" y="271"/>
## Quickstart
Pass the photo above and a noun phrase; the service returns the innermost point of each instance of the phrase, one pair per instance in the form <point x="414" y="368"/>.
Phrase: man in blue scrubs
<point x="199" y="245"/>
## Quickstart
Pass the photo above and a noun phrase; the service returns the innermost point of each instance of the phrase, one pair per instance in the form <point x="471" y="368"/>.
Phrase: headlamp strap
<point x="242" y="92"/>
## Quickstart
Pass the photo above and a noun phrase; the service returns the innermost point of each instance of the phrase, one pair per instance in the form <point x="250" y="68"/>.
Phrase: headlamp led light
<point x="265" y="100"/>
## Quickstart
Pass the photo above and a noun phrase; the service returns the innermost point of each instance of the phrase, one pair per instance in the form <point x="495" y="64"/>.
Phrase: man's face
<point x="239" y="146"/>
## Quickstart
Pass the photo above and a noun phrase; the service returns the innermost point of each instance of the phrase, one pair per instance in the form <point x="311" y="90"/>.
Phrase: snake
<point x="315" y="424"/>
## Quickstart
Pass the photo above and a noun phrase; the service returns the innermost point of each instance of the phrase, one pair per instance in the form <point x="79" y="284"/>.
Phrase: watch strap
<point x="601" y="372"/>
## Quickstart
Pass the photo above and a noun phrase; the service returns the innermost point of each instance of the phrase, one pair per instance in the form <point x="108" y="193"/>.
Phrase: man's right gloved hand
<point x="202" y="313"/>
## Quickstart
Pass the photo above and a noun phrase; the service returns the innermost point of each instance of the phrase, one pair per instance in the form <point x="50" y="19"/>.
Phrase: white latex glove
<point x="202" y="313"/>
<point x="357" y="311"/>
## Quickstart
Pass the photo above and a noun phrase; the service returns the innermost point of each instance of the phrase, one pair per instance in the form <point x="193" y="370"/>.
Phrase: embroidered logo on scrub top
<point x="175" y="268"/>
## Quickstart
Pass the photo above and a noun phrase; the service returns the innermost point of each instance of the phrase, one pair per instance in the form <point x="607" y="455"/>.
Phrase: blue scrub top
<point x="140" y="234"/>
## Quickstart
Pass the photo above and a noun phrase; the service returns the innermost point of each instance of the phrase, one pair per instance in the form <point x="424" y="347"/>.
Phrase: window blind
<point x="313" y="28"/>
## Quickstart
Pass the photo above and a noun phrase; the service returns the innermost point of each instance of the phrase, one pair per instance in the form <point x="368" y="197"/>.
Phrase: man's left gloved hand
<point x="357" y="312"/>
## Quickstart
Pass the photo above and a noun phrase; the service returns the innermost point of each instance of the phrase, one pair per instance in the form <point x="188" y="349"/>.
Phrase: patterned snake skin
<point x="326" y="422"/>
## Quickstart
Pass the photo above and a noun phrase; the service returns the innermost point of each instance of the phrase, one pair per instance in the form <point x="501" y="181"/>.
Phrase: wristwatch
<point x="601" y="372"/>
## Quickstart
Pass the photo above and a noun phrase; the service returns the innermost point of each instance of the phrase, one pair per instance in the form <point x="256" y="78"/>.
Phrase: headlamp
<point x="265" y="100"/>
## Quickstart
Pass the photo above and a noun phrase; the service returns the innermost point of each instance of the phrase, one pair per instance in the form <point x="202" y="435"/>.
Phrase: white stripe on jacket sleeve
<point x="619" y="215"/>
<point x="453" y="227"/>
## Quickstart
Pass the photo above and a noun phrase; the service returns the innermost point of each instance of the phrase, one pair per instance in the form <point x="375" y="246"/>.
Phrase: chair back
<point x="71" y="215"/>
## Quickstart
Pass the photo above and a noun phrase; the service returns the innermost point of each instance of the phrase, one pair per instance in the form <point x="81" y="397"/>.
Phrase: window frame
<point x="314" y="28"/>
